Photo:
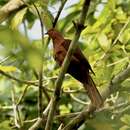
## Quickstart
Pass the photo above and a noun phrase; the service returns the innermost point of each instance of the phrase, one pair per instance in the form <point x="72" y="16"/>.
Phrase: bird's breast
<point x="59" y="54"/>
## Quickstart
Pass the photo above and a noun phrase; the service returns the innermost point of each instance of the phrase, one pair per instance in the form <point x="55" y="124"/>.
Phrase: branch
<point x="37" y="124"/>
<point x="60" y="127"/>
<point x="18" y="80"/>
<point x="113" y="86"/>
<point x="22" y="95"/>
<point x="57" y="117"/>
<point x="78" y="100"/>
<point x="8" y="8"/>
<point x="25" y="29"/>
<point x="56" y="18"/>
<point x="65" y="65"/>
<point x="4" y="59"/>
<point x="59" y="12"/>
<point x="17" y="117"/>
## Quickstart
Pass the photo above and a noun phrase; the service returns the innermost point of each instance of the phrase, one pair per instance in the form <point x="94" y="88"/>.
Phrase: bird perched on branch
<point x="79" y="66"/>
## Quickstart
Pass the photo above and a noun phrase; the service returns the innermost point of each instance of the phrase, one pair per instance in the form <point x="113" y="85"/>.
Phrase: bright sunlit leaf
<point x="126" y="119"/>
<point x="18" y="18"/>
<point x="64" y="109"/>
<point x="8" y="68"/>
<point x="103" y="41"/>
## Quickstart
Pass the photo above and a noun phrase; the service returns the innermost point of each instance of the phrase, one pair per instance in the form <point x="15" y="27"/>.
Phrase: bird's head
<point x="53" y="33"/>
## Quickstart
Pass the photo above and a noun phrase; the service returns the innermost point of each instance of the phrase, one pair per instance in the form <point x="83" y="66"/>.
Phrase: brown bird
<point x="79" y="66"/>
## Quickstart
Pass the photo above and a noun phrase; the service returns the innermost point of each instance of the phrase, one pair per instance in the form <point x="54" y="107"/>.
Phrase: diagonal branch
<point x="18" y="80"/>
<point x="56" y="18"/>
<point x="113" y="86"/>
<point x="59" y="12"/>
<point x="9" y="7"/>
<point x="65" y="65"/>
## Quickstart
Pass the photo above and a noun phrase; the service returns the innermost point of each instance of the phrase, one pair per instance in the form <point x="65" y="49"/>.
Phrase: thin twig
<point x="37" y="124"/>
<point x="78" y="100"/>
<point x="41" y="89"/>
<point x="120" y="33"/>
<point x="18" y="80"/>
<point x="57" y="117"/>
<point x="117" y="62"/>
<point x="45" y="89"/>
<point x="5" y="59"/>
<point x="15" y="110"/>
<point x="45" y="112"/>
<point x="30" y="121"/>
<point x="25" y="29"/>
<point x="56" y="18"/>
<point x="65" y="65"/>
<point x="122" y="111"/>
<point x="6" y="107"/>
<point x="41" y="67"/>
<point x="59" y="12"/>
<point x="22" y="95"/>
<point x="60" y="127"/>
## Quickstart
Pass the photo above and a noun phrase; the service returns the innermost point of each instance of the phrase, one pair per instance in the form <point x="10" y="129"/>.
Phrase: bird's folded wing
<point x="78" y="55"/>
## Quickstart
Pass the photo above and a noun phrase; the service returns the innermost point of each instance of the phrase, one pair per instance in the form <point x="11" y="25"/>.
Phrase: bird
<point x="79" y="67"/>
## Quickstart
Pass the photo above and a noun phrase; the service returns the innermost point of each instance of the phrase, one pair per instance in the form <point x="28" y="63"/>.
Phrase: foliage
<point x="105" y="42"/>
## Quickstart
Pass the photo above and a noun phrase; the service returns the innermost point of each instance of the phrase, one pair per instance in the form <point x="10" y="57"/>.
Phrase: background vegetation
<point x="105" y="42"/>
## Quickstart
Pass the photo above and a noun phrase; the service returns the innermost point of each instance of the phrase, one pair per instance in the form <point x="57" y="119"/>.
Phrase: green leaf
<point x="126" y="119"/>
<point x="4" y="125"/>
<point x="34" y="58"/>
<point x="30" y="19"/>
<point x="120" y="15"/>
<point x="103" y="41"/>
<point x="46" y="16"/>
<point x="125" y="127"/>
<point x="65" y="109"/>
<point x="71" y="84"/>
<point x="18" y="18"/>
<point x="7" y="68"/>
<point x="47" y="19"/>
<point x="124" y="38"/>
<point x="105" y="14"/>
<point x="2" y="2"/>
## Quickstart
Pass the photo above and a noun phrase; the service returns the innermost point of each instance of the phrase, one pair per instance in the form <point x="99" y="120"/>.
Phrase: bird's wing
<point x="78" y="54"/>
<point x="65" y="45"/>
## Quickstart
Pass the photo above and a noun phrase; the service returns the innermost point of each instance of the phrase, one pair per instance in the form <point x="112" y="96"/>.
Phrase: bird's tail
<point x="93" y="92"/>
